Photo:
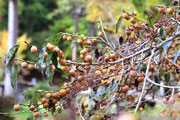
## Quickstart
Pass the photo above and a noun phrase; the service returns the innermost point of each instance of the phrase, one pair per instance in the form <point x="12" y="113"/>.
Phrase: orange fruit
<point x="49" y="47"/>
<point x="34" y="49"/>
<point x="36" y="114"/>
<point x="62" y="92"/>
<point x="16" y="107"/>
<point x="24" y="64"/>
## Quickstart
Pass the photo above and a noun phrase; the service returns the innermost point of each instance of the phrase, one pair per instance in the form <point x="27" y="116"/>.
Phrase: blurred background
<point x="35" y="20"/>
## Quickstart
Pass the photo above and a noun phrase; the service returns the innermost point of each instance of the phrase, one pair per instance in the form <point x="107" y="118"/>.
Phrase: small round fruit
<point x="140" y="79"/>
<point x="45" y="105"/>
<point x="177" y="17"/>
<point x="88" y="58"/>
<point x="133" y="21"/>
<point x="128" y="32"/>
<point x="34" y="49"/>
<point x="148" y="35"/>
<point x="45" y="114"/>
<point x="16" y="107"/>
<point x="170" y="56"/>
<point x="125" y="88"/>
<point x="171" y="100"/>
<point x="62" y="61"/>
<point x="32" y="107"/>
<point x="24" y="64"/>
<point x="100" y="34"/>
<point x="57" y="49"/>
<point x="49" y="47"/>
<point x="36" y="114"/>
<point x="69" y="38"/>
<point x="54" y="101"/>
<point x="55" y="95"/>
<point x="98" y="73"/>
<point x="78" y="86"/>
<point x="62" y="92"/>
<point x="106" y="58"/>
<point x="72" y="73"/>
<point x="30" y="67"/>
<point x="170" y="10"/>
<point x="80" y="41"/>
<point x="45" y="55"/>
<point x="43" y="100"/>
<point x="65" y="37"/>
<point x="105" y="28"/>
<point x="161" y="10"/>
<point x="94" y="40"/>
<point x="89" y="42"/>
<point x="48" y="95"/>
<point x="165" y="101"/>
<point x="44" y="67"/>
<point x="80" y="78"/>
<point x="68" y="90"/>
<point x="173" y="115"/>
<point x="132" y="73"/>
<point x="126" y="16"/>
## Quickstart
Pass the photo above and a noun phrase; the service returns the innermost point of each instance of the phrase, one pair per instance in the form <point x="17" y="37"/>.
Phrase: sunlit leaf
<point x="118" y="23"/>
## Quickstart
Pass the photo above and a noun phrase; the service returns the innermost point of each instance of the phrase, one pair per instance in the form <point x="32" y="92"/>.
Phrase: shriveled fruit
<point x="16" y="107"/>
<point x="24" y="64"/>
<point x="36" y="114"/>
<point x="34" y="49"/>
<point x="62" y="92"/>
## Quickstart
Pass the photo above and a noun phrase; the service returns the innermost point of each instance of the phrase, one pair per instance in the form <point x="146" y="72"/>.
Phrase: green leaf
<point x="11" y="54"/>
<point x="41" y="58"/>
<point x="53" y="39"/>
<point x="30" y="117"/>
<point x="118" y="23"/>
<point x="27" y="93"/>
<point x="35" y="97"/>
<point x="14" y="75"/>
<point x="56" y="38"/>
<point x="55" y="63"/>
<point x="49" y="71"/>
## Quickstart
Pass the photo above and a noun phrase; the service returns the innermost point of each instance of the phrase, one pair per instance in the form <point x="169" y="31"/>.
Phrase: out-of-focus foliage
<point x="4" y="45"/>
